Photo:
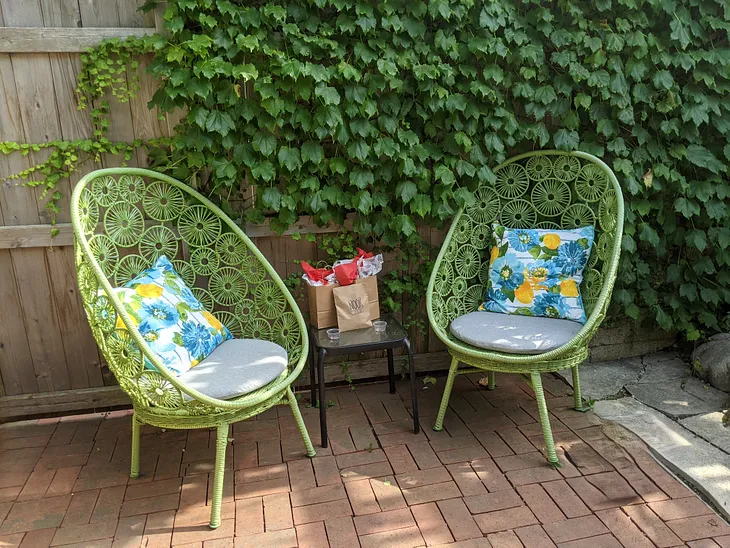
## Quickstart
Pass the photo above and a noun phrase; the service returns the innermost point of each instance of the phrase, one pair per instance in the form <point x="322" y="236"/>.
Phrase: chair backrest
<point x="124" y="219"/>
<point x="543" y="189"/>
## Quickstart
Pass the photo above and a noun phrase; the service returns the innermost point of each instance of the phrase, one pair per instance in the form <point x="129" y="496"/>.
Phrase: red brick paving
<point x="481" y="482"/>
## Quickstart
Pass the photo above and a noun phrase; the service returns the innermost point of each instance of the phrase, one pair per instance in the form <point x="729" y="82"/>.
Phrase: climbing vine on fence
<point x="103" y="74"/>
<point x="398" y="109"/>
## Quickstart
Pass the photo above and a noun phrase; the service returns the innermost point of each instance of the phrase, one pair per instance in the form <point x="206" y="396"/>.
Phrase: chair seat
<point x="513" y="333"/>
<point x="236" y="367"/>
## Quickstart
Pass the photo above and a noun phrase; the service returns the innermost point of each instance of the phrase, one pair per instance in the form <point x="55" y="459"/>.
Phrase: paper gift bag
<point x="352" y="307"/>
<point x="322" y="303"/>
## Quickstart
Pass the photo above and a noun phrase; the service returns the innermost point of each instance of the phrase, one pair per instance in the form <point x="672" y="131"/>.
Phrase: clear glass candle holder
<point x="379" y="326"/>
<point x="333" y="334"/>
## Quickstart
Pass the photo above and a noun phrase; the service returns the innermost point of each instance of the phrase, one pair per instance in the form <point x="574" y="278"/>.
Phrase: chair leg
<point x="136" y="433"/>
<point x="439" y="424"/>
<point x="547" y="433"/>
<point x="492" y="384"/>
<point x="221" y="443"/>
<point x="576" y="389"/>
<point x="300" y="422"/>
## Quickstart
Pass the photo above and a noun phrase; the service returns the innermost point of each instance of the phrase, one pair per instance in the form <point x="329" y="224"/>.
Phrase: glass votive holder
<point x="379" y="326"/>
<point x="333" y="334"/>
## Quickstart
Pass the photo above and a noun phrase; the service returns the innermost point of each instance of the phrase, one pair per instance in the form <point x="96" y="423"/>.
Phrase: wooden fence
<point x="49" y="361"/>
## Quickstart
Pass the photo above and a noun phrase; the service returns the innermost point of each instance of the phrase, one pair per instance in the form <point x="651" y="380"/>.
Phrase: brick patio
<point x="481" y="482"/>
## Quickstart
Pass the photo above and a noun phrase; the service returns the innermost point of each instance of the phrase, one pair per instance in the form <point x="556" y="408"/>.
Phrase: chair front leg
<point x="439" y="424"/>
<point x="221" y="443"/>
<point x="547" y="432"/>
<point x="136" y="434"/>
<point x="576" y="389"/>
<point x="300" y="421"/>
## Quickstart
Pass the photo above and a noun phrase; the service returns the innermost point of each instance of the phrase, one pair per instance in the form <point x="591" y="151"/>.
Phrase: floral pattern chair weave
<point x="551" y="190"/>
<point x="124" y="220"/>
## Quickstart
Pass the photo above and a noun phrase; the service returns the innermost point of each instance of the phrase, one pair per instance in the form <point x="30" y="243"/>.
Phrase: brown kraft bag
<point x="352" y="307"/>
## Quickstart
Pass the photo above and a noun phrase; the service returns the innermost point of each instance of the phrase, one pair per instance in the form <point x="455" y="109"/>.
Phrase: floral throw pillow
<point x="538" y="272"/>
<point x="171" y="320"/>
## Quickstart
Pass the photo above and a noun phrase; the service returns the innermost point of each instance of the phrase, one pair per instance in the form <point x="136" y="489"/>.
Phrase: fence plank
<point x="40" y="122"/>
<point x="145" y="121"/>
<point x="61" y="40"/>
<point x="16" y="362"/>
<point x="82" y="354"/>
<point x="62" y="401"/>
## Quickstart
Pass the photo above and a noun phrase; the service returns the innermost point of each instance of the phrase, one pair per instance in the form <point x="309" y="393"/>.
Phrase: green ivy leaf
<point x="359" y="149"/>
<point x="403" y="224"/>
<point x="220" y="122"/>
<point x="265" y="143"/>
<point x="271" y="198"/>
<point x="566" y="139"/>
<point x="328" y="94"/>
<point x="289" y="158"/>
<point x="701" y="157"/>
<point x="407" y="190"/>
<point x="697" y="239"/>
<point x="444" y="174"/>
<point x="362" y="178"/>
<point x="312" y="152"/>
<point x="264" y="171"/>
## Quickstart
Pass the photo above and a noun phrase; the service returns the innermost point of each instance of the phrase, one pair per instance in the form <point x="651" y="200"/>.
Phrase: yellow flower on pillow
<point x="212" y="320"/>
<point x="524" y="293"/>
<point x="493" y="255"/>
<point x="551" y="241"/>
<point x="150" y="291"/>
<point x="568" y="288"/>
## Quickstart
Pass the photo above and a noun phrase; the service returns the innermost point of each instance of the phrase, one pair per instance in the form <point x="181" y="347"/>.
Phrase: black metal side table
<point x="351" y="342"/>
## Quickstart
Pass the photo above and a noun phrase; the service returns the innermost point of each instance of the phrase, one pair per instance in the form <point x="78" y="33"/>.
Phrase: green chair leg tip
<point x="311" y="453"/>
<point x="134" y="476"/>
<point x="437" y="428"/>
<point x="214" y="525"/>
<point x="555" y="465"/>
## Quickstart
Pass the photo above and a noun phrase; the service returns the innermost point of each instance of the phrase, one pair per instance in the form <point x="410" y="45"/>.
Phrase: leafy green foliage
<point x="397" y="110"/>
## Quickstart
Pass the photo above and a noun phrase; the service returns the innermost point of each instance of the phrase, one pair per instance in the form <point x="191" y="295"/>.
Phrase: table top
<point x="362" y="338"/>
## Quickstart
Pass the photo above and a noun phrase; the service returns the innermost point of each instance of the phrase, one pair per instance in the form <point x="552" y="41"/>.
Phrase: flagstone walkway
<point x="481" y="482"/>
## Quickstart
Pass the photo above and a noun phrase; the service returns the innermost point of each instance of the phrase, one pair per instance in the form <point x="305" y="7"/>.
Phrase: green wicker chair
<point x="544" y="189"/>
<point x="123" y="220"/>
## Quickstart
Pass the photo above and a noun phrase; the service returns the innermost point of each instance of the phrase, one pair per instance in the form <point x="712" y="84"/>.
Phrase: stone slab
<point x="663" y="366"/>
<point x="709" y="427"/>
<point x="679" y="398"/>
<point x="702" y="465"/>
<point x="603" y="379"/>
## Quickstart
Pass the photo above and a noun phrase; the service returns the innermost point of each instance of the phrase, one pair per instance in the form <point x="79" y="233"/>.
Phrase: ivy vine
<point x="103" y="74"/>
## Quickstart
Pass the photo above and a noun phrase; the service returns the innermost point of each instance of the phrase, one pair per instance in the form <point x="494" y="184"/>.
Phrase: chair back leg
<point x="492" y="381"/>
<point x="221" y="442"/>
<point x="547" y="433"/>
<point x="300" y="422"/>
<point x="136" y="433"/>
<point x="439" y="424"/>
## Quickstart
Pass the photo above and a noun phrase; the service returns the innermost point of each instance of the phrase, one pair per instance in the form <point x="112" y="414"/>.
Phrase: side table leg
<point x="391" y="371"/>
<point x="414" y="394"/>
<point x="312" y="374"/>
<point x="322" y="399"/>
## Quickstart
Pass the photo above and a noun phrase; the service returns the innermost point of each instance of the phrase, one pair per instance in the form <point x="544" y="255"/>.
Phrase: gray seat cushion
<point x="512" y="333"/>
<point x="236" y="367"/>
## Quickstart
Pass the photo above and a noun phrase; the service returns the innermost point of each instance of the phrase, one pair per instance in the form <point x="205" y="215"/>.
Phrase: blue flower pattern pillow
<point x="538" y="272"/>
<point x="170" y="318"/>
